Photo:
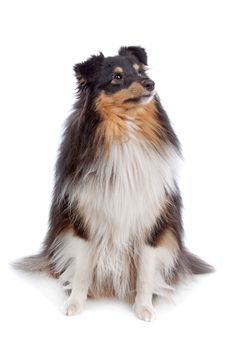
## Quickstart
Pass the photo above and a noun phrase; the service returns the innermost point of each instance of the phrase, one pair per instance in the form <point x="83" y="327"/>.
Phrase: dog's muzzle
<point x="148" y="84"/>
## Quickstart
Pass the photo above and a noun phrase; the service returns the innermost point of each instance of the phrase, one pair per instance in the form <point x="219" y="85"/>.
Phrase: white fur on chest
<point x="122" y="195"/>
<point x="120" y="198"/>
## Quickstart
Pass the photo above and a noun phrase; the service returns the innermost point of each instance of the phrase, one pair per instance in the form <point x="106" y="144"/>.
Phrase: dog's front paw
<point x="72" y="307"/>
<point x="144" y="312"/>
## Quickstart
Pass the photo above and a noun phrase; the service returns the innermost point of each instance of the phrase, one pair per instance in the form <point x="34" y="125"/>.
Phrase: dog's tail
<point x="192" y="264"/>
<point x="33" y="263"/>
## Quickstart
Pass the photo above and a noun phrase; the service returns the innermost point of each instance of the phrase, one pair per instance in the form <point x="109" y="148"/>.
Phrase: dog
<point x="115" y="225"/>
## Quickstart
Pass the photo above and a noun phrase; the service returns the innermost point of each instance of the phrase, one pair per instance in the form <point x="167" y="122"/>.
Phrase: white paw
<point x="72" y="307"/>
<point x="144" y="312"/>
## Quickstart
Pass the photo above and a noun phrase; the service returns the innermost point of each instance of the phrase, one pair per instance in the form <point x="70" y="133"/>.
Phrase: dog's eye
<point x="117" y="76"/>
<point x="140" y="73"/>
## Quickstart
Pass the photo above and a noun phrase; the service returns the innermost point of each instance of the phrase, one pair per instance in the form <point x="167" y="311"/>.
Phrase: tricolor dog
<point x="115" y="224"/>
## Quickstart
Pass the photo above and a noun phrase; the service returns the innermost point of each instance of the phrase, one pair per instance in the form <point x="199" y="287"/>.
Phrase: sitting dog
<point x="115" y="221"/>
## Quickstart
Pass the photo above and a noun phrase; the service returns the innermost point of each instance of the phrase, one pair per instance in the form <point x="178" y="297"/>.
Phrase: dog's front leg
<point x="83" y="267"/>
<point x="155" y="266"/>
<point x="143" y="306"/>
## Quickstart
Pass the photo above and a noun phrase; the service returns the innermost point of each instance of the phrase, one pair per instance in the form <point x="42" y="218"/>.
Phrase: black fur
<point x="88" y="70"/>
<point x="170" y="219"/>
<point x="165" y="122"/>
<point x="136" y="51"/>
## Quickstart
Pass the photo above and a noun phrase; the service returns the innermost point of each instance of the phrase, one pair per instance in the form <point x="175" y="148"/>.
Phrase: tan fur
<point x="149" y="127"/>
<point x="115" y="113"/>
<point x="118" y="70"/>
<point x="118" y="99"/>
<point x="136" y="66"/>
<point x="107" y="289"/>
<point x="168" y="240"/>
<point x="52" y="273"/>
<point x="113" y="125"/>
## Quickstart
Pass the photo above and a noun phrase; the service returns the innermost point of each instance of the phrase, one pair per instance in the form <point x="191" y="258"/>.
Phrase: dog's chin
<point x="145" y="99"/>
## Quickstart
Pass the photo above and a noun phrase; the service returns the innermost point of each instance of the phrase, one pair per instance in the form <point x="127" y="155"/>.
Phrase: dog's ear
<point x="136" y="51"/>
<point x="86" y="72"/>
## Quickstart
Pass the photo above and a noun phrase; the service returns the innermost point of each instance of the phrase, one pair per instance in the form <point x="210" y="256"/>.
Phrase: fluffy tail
<point x="34" y="263"/>
<point x="192" y="264"/>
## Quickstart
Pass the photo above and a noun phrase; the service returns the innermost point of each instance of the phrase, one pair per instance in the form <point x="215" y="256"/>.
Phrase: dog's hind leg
<point x="83" y="271"/>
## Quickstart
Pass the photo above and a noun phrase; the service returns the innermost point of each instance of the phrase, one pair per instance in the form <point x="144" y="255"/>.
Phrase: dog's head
<point x="121" y="79"/>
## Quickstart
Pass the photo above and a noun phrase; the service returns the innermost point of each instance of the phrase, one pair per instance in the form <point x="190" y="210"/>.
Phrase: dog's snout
<point x="148" y="84"/>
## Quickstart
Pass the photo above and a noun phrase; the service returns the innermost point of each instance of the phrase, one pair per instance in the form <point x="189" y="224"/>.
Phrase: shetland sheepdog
<point x="115" y="225"/>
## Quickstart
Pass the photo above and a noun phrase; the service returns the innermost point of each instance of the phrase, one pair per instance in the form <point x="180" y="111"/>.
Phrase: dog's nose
<point x="148" y="84"/>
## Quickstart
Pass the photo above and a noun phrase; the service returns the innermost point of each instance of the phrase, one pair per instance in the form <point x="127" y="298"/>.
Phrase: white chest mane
<point x="122" y="195"/>
<point x="120" y="199"/>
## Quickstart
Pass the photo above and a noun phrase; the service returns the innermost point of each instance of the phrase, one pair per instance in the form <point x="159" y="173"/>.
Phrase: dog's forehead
<point x="124" y="62"/>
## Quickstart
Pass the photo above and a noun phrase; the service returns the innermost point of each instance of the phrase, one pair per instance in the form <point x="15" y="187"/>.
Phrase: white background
<point x="189" y="44"/>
